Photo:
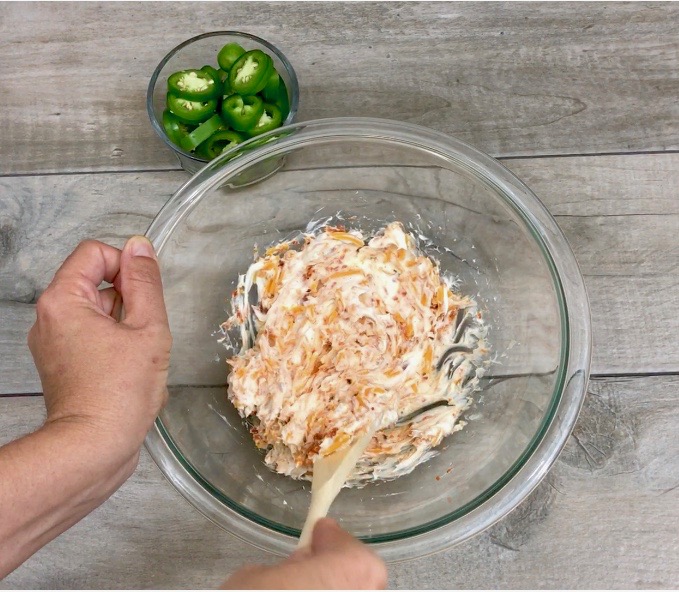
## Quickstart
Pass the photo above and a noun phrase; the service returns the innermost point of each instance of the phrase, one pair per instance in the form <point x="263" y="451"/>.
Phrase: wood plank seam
<point x="500" y="158"/>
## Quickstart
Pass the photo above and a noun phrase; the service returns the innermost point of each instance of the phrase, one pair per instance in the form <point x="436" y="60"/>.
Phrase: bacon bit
<point x="478" y="315"/>
<point x="347" y="238"/>
<point x="438" y="478"/>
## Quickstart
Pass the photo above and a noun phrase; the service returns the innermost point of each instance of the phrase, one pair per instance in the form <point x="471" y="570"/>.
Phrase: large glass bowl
<point x="490" y="231"/>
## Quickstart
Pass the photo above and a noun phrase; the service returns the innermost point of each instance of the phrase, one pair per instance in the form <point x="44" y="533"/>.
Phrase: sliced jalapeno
<point x="282" y="101"/>
<point x="220" y="142"/>
<point x="250" y="73"/>
<point x="175" y="129"/>
<point x="228" y="55"/>
<point x="270" y="120"/>
<point x="270" y="91"/>
<point x="242" y="113"/>
<point x="191" y="111"/>
<point x="201" y="133"/>
<point x="194" y="85"/>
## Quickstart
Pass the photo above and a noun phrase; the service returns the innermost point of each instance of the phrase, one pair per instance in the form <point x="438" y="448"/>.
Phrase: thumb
<point x="328" y="536"/>
<point x="140" y="285"/>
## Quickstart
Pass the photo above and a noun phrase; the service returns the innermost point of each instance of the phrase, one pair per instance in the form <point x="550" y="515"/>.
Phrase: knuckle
<point x="46" y="304"/>
<point x="85" y="246"/>
<point x="87" y="243"/>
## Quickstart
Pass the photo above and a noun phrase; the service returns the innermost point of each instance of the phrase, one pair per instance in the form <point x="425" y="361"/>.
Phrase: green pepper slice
<point x="194" y="85"/>
<point x="270" y="120"/>
<point x="270" y="92"/>
<point x="212" y="71"/>
<point x="201" y="133"/>
<point x="175" y="129"/>
<point x="191" y="111"/>
<point x="242" y="113"/>
<point x="219" y="142"/>
<point x="282" y="101"/>
<point x="250" y="73"/>
<point x="228" y="55"/>
<point x="226" y="85"/>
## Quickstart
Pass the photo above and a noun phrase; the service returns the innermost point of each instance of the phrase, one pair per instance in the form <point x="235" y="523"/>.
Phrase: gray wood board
<point x="513" y="79"/>
<point x="619" y="213"/>
<point x="605" y="517"/>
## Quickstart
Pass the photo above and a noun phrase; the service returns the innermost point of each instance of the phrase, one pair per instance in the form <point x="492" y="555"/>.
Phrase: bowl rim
<point x="157" y="126"/>
<point x="570" y="388"/>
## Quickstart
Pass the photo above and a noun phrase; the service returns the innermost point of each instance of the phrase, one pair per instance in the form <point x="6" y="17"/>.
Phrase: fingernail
<point x="140" y="246"/>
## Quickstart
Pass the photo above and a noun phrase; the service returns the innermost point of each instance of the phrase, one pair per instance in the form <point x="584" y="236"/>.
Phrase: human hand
<point x="334" y="560"/>
<point x="104" y="378"/>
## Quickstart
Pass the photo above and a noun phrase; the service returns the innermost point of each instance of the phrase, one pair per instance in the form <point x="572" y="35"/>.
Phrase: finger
<point x="110" y="302"/>
<point x="93" y="261"/>
<point x="140" y="285"/>
<point x="328" y="536"/>
<point x="299" y="554"/>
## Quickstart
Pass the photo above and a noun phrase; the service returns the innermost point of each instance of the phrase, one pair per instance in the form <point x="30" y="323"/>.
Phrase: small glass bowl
<point x="197" y="52"/>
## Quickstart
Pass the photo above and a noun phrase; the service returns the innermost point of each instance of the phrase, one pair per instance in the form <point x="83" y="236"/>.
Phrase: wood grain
<point x="513" y="79"/>
<point x="605" y="517"/>
<point x="619" y="213"/>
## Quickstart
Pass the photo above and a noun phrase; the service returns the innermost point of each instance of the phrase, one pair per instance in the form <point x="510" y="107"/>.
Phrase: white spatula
<point x="330" y="473"/>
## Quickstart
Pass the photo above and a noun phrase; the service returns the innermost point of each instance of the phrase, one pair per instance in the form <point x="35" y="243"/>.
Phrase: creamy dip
<point x="344" y="333"/>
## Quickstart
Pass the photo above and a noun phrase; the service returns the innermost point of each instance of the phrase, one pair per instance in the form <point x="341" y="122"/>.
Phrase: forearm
<point x="49" y="480"/>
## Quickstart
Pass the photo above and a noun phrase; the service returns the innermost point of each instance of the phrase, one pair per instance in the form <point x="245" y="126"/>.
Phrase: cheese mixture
<point x="344" y="334"/>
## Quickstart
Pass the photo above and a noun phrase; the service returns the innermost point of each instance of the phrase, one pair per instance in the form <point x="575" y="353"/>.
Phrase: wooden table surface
<point x="580" y="100"/>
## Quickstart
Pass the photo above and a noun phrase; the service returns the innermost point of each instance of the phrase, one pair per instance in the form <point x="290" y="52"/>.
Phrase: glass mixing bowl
<point x="490" y="231"/>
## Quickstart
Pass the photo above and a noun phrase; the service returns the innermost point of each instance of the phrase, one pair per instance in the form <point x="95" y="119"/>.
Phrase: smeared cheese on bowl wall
<point x="343" y="332"/>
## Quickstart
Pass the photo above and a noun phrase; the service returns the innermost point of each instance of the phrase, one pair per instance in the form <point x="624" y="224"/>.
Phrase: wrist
<point x="52" y="478"/>
<point x="103" y="459"/>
